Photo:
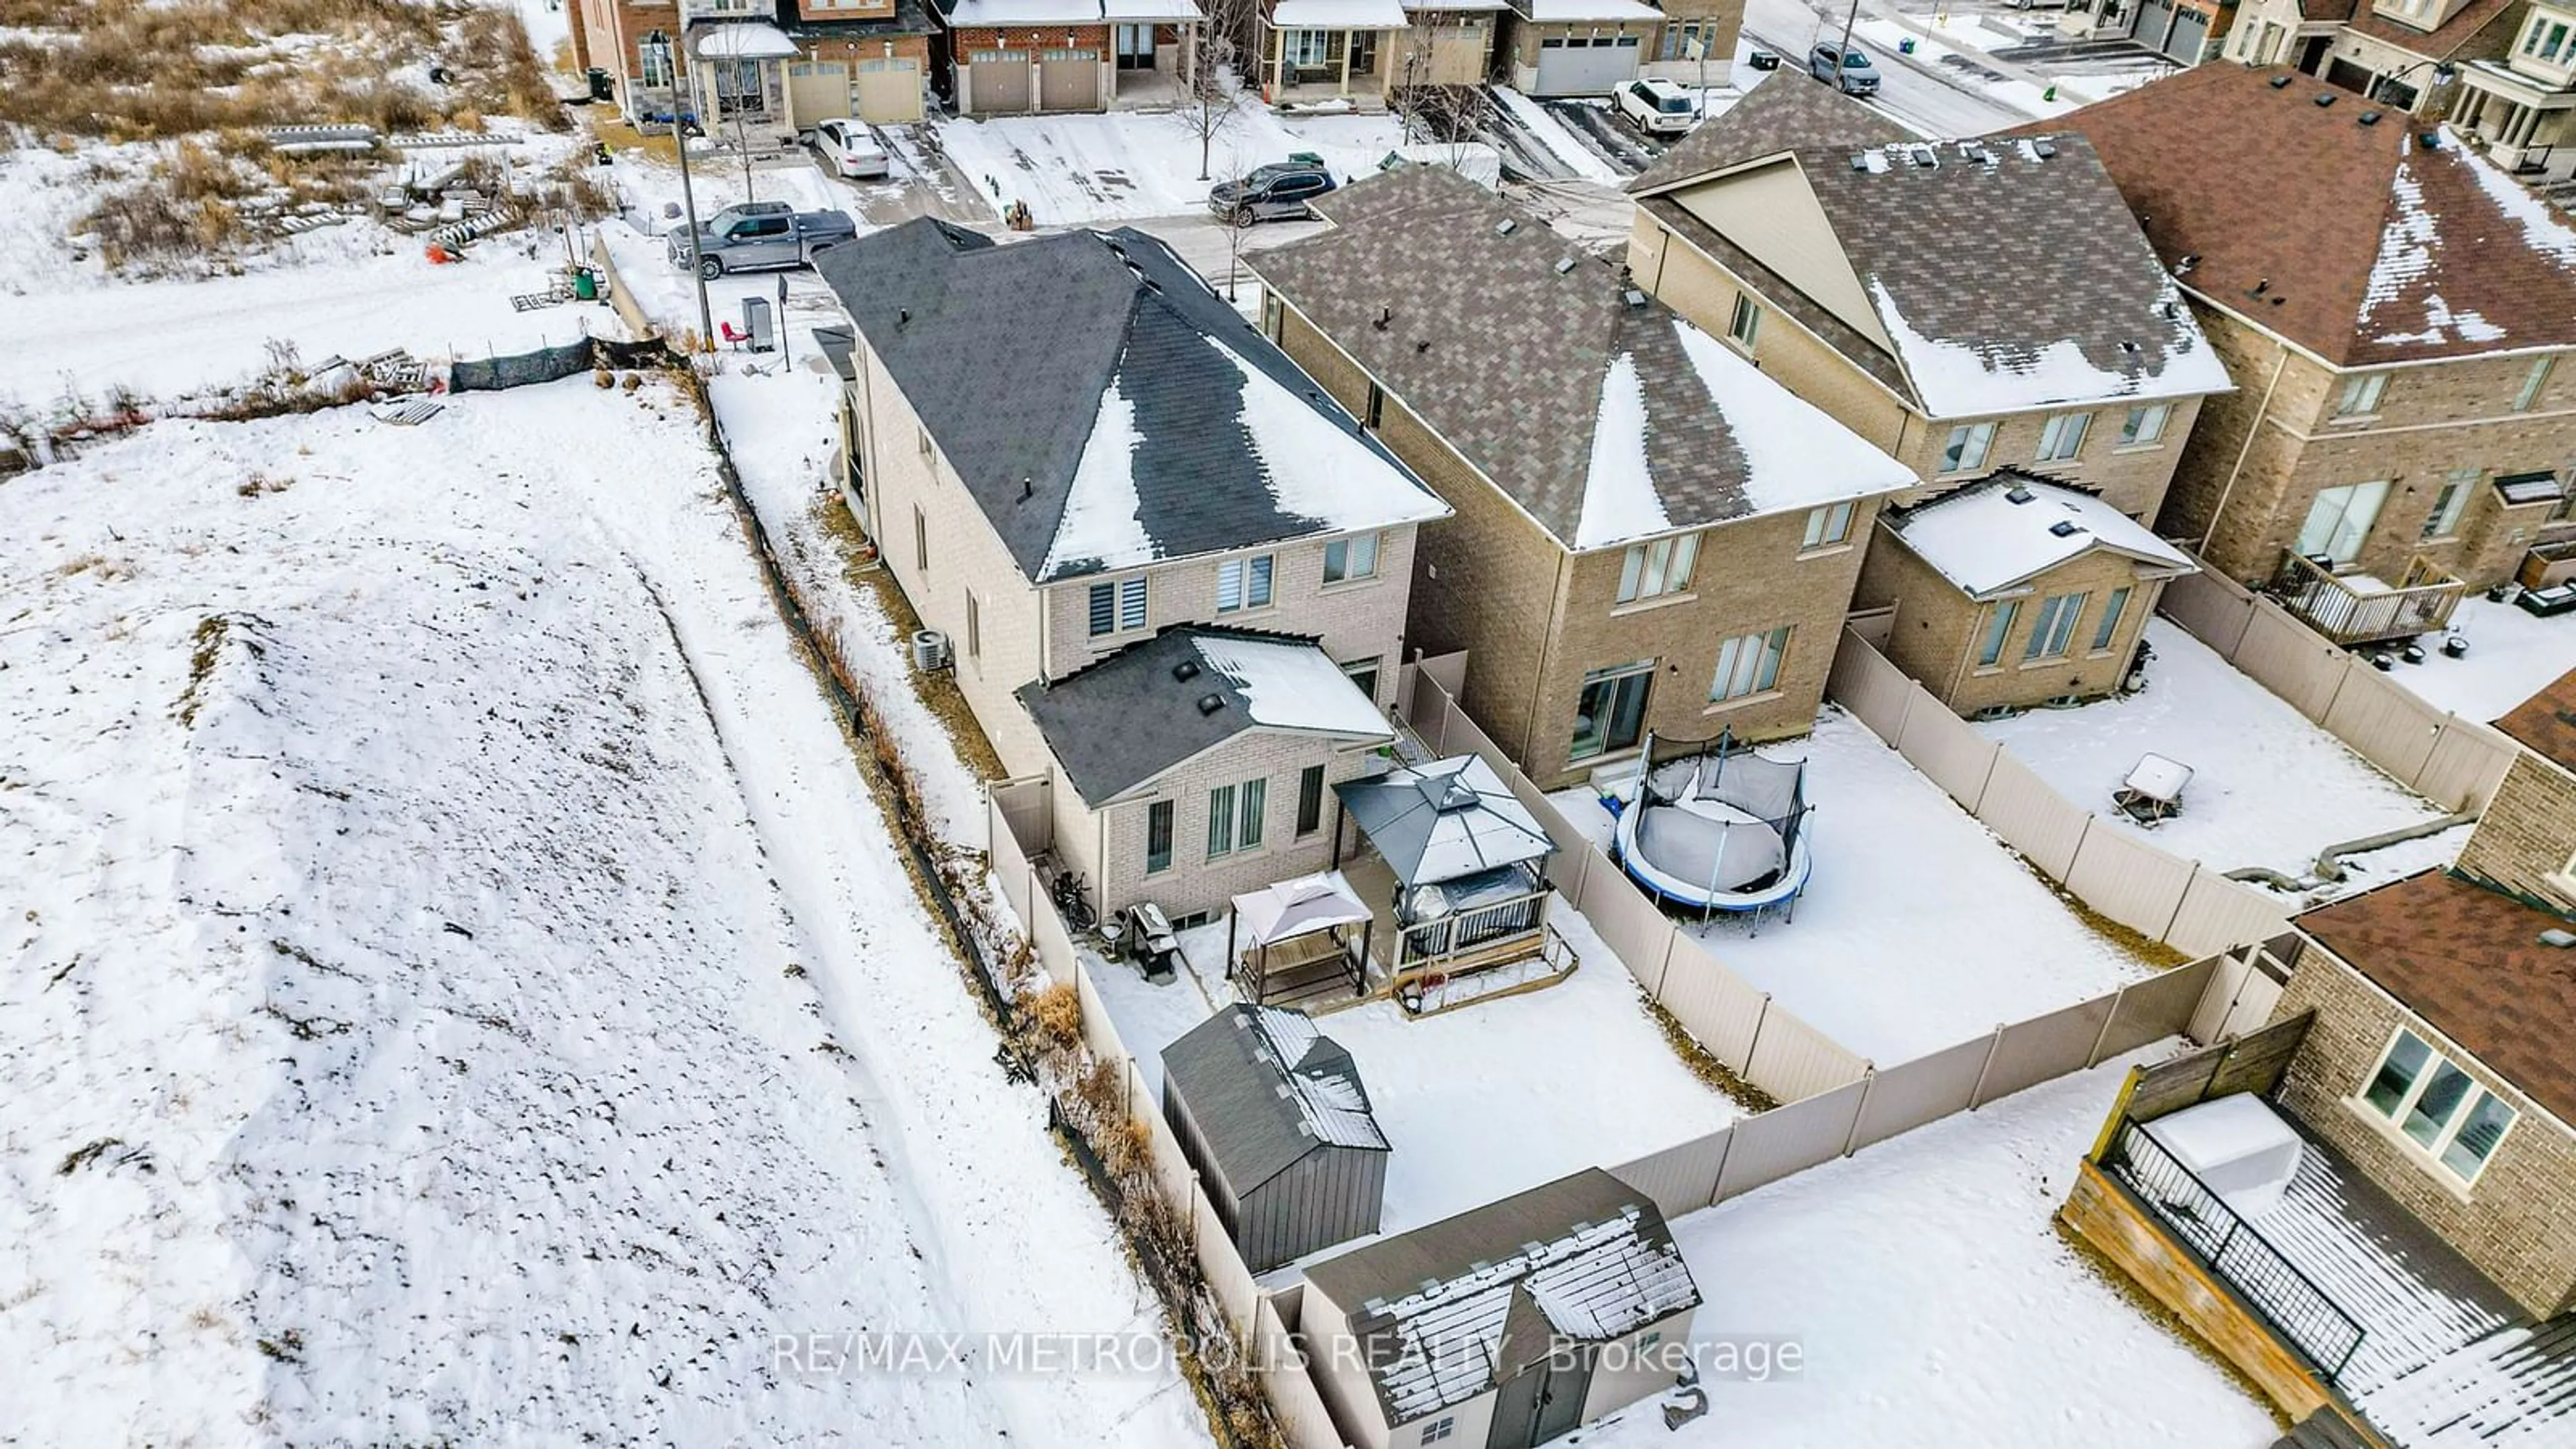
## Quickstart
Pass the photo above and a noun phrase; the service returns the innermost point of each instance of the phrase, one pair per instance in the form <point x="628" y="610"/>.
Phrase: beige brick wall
<point x="1937" y="628"/>
<point x="2526" y="840"/>
<point x="2517" y="1223"/>
<point x="2433" y="419"/>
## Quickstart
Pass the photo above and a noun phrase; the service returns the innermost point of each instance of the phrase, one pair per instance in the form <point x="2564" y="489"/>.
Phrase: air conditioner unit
<point x="930" y="650"/>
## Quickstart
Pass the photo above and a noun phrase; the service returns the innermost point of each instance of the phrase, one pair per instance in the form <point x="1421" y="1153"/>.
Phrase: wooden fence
<point x="2454" y="762"/>
<point x="2162" y="896"/>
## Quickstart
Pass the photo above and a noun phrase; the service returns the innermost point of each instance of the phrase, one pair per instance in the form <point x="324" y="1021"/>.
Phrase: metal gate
<point x="889" y="90"/>
<point x="817" y="90"/>
<point x="1585" y="65"/>
<point x="1069" y="80"/>
<point x="997" y="82"/>
<point x="2190" y="34"/>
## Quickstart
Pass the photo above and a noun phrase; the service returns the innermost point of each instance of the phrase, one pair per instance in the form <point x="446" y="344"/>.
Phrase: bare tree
<point x="1431" y="110"/>
<point x="1210" y="109"/>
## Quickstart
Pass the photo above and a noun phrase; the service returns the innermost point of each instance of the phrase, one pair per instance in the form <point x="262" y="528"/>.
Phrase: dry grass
<point x="1704" y="1063"/>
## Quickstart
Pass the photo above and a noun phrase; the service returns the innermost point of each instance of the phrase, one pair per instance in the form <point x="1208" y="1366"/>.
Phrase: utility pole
<point x="675" y="65"/>
<point x="1849" y="20"/>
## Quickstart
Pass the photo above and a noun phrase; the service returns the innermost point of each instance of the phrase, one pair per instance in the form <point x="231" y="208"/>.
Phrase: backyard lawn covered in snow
<point x="2512" y="656"/>
<point x="2268" y="788"/>
<point x="1919" y="928"/>
<point x="1936" y="1304"/>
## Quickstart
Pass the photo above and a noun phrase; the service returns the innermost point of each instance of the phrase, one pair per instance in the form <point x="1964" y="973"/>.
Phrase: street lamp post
<point x="659" y="46"/>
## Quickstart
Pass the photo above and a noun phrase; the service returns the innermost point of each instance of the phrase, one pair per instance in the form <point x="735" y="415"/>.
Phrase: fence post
<point x="1755" y="1044"/>
<point x="2093" y="1058"/>
<point x="1977" y="1093"/>
<point x="1868" y="1081"/>
<point x="2083" y="833"/>
<point x="1725" y="1150"/>
<point x="1672" y="939"/>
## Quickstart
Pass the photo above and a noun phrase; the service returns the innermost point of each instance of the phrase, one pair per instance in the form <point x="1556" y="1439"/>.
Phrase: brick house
<point x="1018" y="57"/>
<point x="2398" y="314"/>
<point x="1172" y="575"/>
<point x="1581" y="47"/>
<point x="2405" y="54"/>
<point x="2523" y="107"/>
<point x="1698" y="41"/>
<point x="1649" y="534"/>
<point x="816" y="59"/>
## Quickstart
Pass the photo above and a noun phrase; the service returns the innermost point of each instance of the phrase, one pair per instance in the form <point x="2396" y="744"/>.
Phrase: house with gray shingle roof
<point x="1650" y="534"/>
<point x="1171" y="570"/>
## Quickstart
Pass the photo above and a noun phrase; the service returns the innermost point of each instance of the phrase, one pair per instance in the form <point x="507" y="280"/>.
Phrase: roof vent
<point x="1633" y="297"/>
<point x="1859" y="162"/>
<point x="1507" y="226"/>
<point x="2430" y="140"/>
<point x="2045" y="147"/>
<point x="1384" y="316"/>
<point x="2558" y="939"/>
<point x="2183" y="267"/>
<point x="1422" y="346"/>
<point x="2280" y="82"/>
<point x="2064" y="528"/>
<point x="1211" y="703"/>
<point x="2019" y="494"/>
<point x="1926" y="157"/>
<point x="1186" y="670"/>
<point x="2128" y="347"/>
<point x="2370" y="118"/>
<point x="902" y="316"/>
<point x="2324" y="99"/>
<point x="1564" y="265"/>
<point x="2260" y="287"/>
<point x="1028" y="487"/>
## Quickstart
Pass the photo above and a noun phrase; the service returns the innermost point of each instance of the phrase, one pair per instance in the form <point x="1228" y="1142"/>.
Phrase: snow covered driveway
<point x="457" y="984"/>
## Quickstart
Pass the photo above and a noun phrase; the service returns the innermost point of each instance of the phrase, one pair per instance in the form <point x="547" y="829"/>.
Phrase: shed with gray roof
<point x="1272" y="1114"/>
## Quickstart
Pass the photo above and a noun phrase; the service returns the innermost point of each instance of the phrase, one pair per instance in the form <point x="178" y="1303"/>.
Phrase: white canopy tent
<point x="1290" y="940"/>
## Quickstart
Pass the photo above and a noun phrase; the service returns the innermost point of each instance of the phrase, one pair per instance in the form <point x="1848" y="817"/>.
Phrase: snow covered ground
<point x="2267" y="787"/>
<point x="1936" y="1304"/>
<point x="2512" y="656"/>
<point x="460" y="987"/>
<point x="1483" y="1101"/>
<point x="1559" y="142"/>
<point x="1129" y="164"/>
<point x="1920" y="929"/>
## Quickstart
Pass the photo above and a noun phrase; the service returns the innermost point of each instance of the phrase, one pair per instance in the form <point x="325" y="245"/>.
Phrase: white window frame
<point x="1967" y="448"/>
<point x="2106" y="633"/>
<point x="2145" y="425"/>
<point x="1339" y="556"/>
<point x="1744" y="323"/>
<point x="2532" y="382"/>
<point x="2061" y="438"/>
<point x="1748" y="666"/>
<point x="1658" y="568"/>
<point x="1171" y="829"/>
<point x="2449" y="502"/>
<point x="1829" y="525"/>
<point x="1238" y="812"/>
<point x="2052" y="634"/>
<point x="2362" y="395"/>
<point x="2397" y="1118"/>
<point x="1998" y="633"/>
<point x="2333" y="511"/>
<point x="1251" y="581"/>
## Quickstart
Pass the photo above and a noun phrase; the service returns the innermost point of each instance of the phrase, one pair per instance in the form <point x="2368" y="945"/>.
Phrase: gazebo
<point x="1292" y="941"/>
<point x="1467" y="856"/>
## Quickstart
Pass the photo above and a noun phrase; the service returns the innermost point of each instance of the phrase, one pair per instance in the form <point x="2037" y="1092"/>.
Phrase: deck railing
<point x="2420" y="603"/>
<point x="2295" y="1308"/>
<point x="1478" y="932"/>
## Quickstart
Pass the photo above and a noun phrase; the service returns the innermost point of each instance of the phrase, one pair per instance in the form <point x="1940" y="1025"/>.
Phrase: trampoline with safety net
<point x="1713" y="827"/>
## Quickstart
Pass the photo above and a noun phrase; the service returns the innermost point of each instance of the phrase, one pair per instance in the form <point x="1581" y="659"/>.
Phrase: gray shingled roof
<point x="1139" y="712"/>
<point x="1008" y="353"/>
<point x="1265" y="1088"/>
<point x="1785" y="112"/>
<point x="1501" y="337"/>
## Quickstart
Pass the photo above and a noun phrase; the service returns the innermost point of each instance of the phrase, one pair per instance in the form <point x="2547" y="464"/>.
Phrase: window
<point x="974" y="626"/>
<point x="1376" y="407"/>
<point x="1748" y="665"/>
<point x="1362" y="673"/>
<point x="1966" y="451"/>
<point x="656" y="62"/>
<point x="2532" y="382"/>
<point x="1274" y="317"/>
<point x="2055" y="626"/>
<point x="2340" y="519"/>
<point x="1746" y="322"/>
<point x="2444" y="520"/>
<point x="1158" y="836"/>
<point x="2062" y="436"/>
<point x="1991" y="651"/>
<point x="1256" y="800"/>
<point x="1243" y="583"/>
<point x="2439" y="1107"/>
<point x="1310" y="800"/>
<point x="920" y="540"/>
<point x="1350" y="558"/>
<point x="1306" y="49"/>
<point x="923" y="435"/>
<point x="1828" y="525"/>
<point x="2112" y="608"/>
<point x="1610" y="714"/>
<point x="2361" y="395"/>
<point x="1655" y="569"/>
<point x="1220" y="821"/>
<point x="1439" y="1429"/>
<point x="1116" y="608"/>
<point x="2550" y="41"/>
<point x="2145" y="425"/>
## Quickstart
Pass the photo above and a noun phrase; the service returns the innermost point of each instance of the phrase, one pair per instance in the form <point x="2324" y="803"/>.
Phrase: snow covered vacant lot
<point x="1936" y="1304"/>
<point x="457" y="984"/>
<point x="2268" y="788"/>
<point x="1128" y="164"/>
<point x="1920" y="929"/>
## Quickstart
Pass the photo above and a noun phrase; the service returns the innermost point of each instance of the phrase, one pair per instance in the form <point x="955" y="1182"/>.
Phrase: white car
<point x="850" y="150"/>
<point x="1657" y="107"/>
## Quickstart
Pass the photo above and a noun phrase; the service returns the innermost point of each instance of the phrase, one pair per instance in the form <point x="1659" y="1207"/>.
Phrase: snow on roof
<point x="1138" y="10"/>
<point x="1324" y="1086"/>
<point x="972" y="13"/>
<point x="1619" y="497"/>
<point x="1103" y="517"/>
<point x="2543" y="230"/>
<point x="1338" y="15"/>
<point x="1292" y="685"/>
<point x="1992" y="535"/>
<point x="1545" y="11"/>
<point x="1959" y="379"/>
<point x="744" y="40"/>
<point x="2409" y="246"/>
<point x="1795" y="454"/>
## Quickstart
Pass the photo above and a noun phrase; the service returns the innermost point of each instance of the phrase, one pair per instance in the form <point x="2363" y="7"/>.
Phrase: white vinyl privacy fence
<point x="2454" y="762"/>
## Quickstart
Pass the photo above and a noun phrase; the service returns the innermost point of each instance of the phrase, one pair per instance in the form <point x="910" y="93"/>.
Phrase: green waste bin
<point x="585" y="284"/>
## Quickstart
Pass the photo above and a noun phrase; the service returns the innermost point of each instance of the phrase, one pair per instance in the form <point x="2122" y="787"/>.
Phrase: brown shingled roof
<point x="2468" y="960"/>
<point x="2365" y="244"/>
<point x="2546" y="722"/>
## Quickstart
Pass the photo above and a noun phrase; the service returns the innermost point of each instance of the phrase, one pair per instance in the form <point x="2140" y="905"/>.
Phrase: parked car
<point x="1859" y="77"/>
<point x="760" y="235"/>
<point x="1657" y="107"/>
<point x="1277" y="192"/>
<point x="851" y="150"/>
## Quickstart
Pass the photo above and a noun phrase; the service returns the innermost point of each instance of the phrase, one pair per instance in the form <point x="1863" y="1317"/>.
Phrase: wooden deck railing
<point x="2420" y="603"/>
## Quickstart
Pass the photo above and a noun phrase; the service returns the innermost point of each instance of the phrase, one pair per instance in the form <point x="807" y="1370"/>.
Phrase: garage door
<point x="890" y="90"/>
<point x="1069" y="80"/>
<point x="1585" y="65"/>
<point x="2155" y="22"/>
<point x="997" y="81"/>
<point x="2190" y="33"/>
<point x="817" y="91"/>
